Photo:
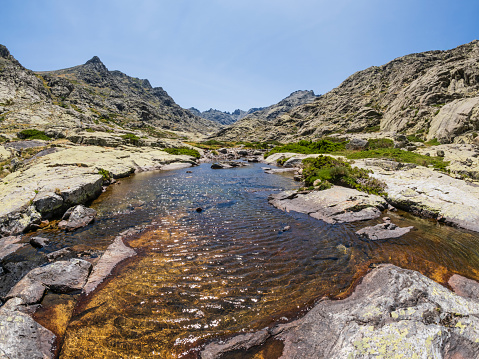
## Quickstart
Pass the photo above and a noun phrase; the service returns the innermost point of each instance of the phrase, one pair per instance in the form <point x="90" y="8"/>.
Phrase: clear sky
<point x="229" y="54"/>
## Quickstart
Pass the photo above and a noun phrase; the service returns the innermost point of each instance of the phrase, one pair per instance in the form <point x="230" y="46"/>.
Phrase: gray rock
<point x="357" y="144"/>
<point x="77" y="217"/>
<point x="48" y="202"/>
<point x="392" y="312"/>
<point x="9" y="245"/>
<point x="464" y="287"/>
<point x="39" y="242"/>
<point x="59" y="277"/>
<point x="383" y="231"/>
<point x="440" y="153"/>
<point x="64" y="252"/>
<point x="23" y="338"/>
<point x="334" y="205"/>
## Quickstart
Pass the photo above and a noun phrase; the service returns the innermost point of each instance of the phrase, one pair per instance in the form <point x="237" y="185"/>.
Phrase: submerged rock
<point x="334" y="205"/>
<point x="393" y="311"/>
<point x="114" y="254"/>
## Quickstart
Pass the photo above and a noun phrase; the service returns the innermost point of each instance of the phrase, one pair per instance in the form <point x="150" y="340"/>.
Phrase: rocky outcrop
<point x="392" y="312"/>
<point x="53" y="183"/>
<point x="428" y="193"/>
<point x="334" y="205"/>
<point x="432" y="94"/>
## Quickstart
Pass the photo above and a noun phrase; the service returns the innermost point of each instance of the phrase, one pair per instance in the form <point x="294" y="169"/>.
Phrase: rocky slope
<point x="87" y="96"/>
<point x="432" y="94"/>
<point x="265" y="113"/>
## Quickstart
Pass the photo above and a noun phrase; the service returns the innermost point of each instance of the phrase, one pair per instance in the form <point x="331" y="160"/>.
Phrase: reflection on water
<point x="231" y="268"/>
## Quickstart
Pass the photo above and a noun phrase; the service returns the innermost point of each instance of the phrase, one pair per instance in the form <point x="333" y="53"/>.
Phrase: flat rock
<point x="392" y="312"/>
<point x="334" y="205"/>
<point x="383" y="231"/>
<point x="39" y="242"/>
<point x="77" y="217"/>
<point x="428" y="193"/>
<point x="9" y="245"/>
<point x="114" y="254"/>
<point x="52" y="183"/>
<point x="59" y="277"/>
<point x="23" y="338"/>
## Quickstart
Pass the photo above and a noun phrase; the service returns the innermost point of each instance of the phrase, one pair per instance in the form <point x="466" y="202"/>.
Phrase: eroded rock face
<point x="334" y="205"/>
<point x="402" y="95"/>
<point x="392" y="311"/>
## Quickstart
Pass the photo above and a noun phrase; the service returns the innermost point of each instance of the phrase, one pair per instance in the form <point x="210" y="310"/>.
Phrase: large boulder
<point x="393" y="312"/>
<point x="9" y="245"/>
<point x="334" y="205"/>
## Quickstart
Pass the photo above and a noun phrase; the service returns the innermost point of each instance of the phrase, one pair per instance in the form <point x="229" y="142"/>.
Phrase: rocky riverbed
<point x="389" y="303"/>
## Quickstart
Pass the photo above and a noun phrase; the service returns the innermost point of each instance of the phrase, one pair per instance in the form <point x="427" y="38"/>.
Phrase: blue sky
<point x="229" y="54"/>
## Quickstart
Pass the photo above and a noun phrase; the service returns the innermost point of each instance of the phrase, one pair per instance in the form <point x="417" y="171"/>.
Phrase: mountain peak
<point x="4" y="52"/>
<point x="94" y="60"/>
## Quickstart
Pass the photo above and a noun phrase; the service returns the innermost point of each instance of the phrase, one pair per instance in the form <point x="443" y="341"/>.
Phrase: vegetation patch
<point x="414" y="138"/>
<point x="335" y="171"/>
<point x="183" y="151"/>
<point x="105" y="174"/>
<point x="433" y="142"/>
<point x="33" y="135"/>
<point x="399" y="155"/>
<point x="375" y="143"/>
<point x="131" y="138"/>
<point x="309" y="147"/>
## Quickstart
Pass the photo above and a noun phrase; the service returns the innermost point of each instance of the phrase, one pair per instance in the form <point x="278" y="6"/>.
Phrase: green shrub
<point x="89" y="130"/>
<point x="399" y="155"/>
<point x="414" y="138"/>
<point x="183" y="151"/>
<point x="282" y="161"/>
<point x="309" y="147"/>
<point x="33" y="135"/>
<point x="334" y="171"/>
<point x="131" y="138"/>
<point x="433" y="142"/>
<point x="374" y="143"/>
<point x="105" y="174"/>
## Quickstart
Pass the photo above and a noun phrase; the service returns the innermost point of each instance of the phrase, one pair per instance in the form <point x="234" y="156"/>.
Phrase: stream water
<point x="228" y="269"/>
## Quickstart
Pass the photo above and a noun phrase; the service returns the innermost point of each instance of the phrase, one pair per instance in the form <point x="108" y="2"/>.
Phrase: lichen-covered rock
<point x="392" y="312"/>
<point x="334" y="205"/>
<point x="23" y="338"/>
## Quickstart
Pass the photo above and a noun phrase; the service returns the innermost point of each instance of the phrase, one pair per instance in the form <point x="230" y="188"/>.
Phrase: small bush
<point x="183" y="151"/>
<point x="433" y="142"/>
<point x="105" y="174"/>
<point x="399" y="155"/>
<point x="131" y="138"/>
<point x="33" y="135"/>
<point x="414" y="138"/>
<point x="309" y="147"/>
<point x="374" y="143"/>
<point x="334" y="171"/>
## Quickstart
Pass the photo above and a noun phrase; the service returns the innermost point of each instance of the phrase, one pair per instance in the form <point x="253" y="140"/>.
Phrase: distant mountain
<point x="86" y="96"/>
<point x="432" y="94"/>
<point x="268" y="113"/>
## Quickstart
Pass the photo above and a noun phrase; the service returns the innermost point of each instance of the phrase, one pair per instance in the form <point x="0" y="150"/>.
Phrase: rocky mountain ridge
<point x="267" y="113"/>
<point x="88" y="96"/>
<point x="434" y="94"/>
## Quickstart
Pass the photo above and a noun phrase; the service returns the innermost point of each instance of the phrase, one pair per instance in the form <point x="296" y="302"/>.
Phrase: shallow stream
<point x="233" y="267"/>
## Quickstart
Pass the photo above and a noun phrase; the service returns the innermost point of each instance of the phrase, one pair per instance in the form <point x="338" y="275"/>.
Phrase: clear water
<point x="230" y="268"/>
